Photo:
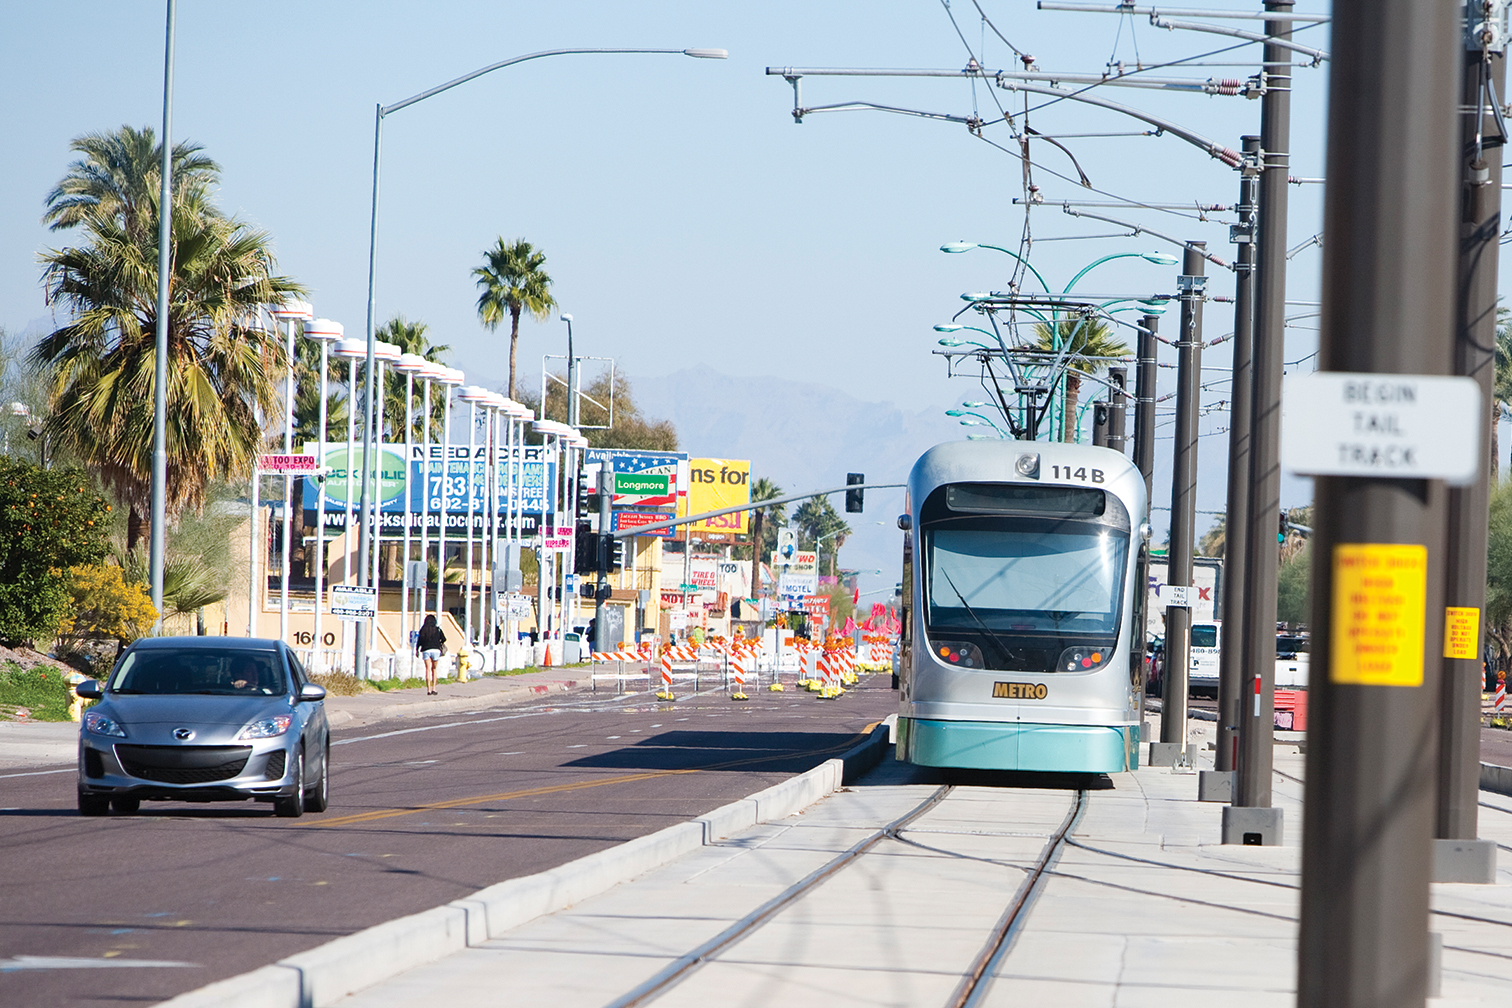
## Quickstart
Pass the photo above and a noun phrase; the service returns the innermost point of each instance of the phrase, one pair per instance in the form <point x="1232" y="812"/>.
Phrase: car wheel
<point x="293" y="806"/>
<point x="124" y="805"/>
<point x="93" y="804"/>
<point x="317" y="798"/>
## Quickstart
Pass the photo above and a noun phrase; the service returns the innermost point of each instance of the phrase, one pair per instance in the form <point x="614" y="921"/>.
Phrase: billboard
<point x="643" y="480"/>
<point x="798" y="576"/>
<point x="713" y="484"/>
<point x="443" y="482"/>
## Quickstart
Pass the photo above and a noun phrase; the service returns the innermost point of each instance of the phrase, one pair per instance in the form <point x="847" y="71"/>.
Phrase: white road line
<point x="40" y="773"/>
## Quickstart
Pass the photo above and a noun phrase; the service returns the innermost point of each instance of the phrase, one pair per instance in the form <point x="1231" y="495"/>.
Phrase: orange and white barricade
<point x="737" y="669"/>
<point x="666" y="677"/>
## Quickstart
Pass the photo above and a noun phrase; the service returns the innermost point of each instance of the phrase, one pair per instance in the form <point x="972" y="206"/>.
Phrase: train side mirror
<point x="1145" y="531"/>
<point x="905" y="522"/>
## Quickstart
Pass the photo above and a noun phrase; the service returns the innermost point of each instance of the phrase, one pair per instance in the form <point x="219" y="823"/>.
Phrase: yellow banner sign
<point x="714" y="484"/>
<point x="1380" y="591"/>
<point x="1461" y="632"/>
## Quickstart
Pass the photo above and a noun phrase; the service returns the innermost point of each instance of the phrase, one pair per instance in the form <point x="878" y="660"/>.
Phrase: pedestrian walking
<point x="430" y="645"/>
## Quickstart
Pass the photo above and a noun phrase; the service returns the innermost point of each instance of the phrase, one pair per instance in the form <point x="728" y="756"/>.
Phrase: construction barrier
<point x="737" y="668"/>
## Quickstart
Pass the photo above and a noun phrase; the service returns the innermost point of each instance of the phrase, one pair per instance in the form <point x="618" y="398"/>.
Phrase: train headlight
<point x="959" y="653"/>
<point x="1083" y="659"/>
<point x="1028" y="465"/>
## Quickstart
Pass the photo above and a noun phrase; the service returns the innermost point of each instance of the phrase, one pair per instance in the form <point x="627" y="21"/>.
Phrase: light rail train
<point x="1023" y="635"/>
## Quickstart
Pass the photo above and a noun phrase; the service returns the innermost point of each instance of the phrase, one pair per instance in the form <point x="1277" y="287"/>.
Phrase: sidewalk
<point x="26" y="744"/>
<point x="1143" y="907"/>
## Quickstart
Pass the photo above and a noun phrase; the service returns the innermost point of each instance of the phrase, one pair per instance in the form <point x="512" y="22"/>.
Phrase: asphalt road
<point x="422" y="811"/>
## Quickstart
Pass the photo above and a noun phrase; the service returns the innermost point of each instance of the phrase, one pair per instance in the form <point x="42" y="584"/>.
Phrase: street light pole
<point x="1459" y="856"/>
<point x="382" y="111"/>
<point x="160" y="363"/>
<point x="1178" y="641"/>
<point x="1251" y="813"/>
<point x="1236" y="516"/>
<point x="1388" y="280"/>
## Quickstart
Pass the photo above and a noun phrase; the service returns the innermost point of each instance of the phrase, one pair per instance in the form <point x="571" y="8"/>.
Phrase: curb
<point x="326" y="974"/>
<point x="1497" y="779"/>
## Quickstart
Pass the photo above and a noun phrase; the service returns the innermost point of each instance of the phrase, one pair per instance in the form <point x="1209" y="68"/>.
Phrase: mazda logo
<point x="183" y="734"/>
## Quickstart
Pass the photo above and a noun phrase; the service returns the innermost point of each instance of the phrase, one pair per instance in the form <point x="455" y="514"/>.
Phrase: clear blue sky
<point x="686" y="219"/>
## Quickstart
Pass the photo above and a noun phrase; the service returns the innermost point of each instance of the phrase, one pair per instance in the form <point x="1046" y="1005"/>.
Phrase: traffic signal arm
<point x="671" y="523"/>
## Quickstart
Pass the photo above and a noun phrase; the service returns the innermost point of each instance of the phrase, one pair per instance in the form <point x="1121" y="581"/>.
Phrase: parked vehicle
<point x="204" y="719"/>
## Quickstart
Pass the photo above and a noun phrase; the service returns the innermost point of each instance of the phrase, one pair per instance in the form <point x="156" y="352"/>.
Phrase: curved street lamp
<point x="382" y="111"/>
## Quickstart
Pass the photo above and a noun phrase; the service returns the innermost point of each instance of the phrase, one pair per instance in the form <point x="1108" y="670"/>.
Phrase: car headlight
<point x="102" y="725"/>
<point x="270" y="727"/>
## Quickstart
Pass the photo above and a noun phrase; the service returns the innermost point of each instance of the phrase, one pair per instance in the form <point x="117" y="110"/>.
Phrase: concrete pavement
<point x="1142" y="907"/>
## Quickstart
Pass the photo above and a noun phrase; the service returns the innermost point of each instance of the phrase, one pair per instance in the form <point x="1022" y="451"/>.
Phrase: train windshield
<point x="1018" y="589"/>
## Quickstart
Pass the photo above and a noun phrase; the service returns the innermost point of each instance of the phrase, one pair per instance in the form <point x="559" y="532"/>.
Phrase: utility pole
<point x="1118" y="398"/>
<point x="1144" y="403"/>
<point x="1236" y="520"/>
<point x="1388" y="273"/>
<point x="1251" y="815"/>
<point x="1178" y="640"/>
<point x="1458" y="855"/>
<point x="606" y="547"/>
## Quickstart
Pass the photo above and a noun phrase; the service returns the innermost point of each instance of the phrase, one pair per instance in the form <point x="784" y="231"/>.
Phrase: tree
<point x="225" y="367"/>
<point x="50" y="520"/>
<point x="763" y="489"/>
<point x="118" y="177"/>
<point x="1214" y="539"/>
<point x="1294" y="586"/>
<point x="631" y="430"/>
<point x="103" y="604"/>
<point x="409" y="337"/>
<point x="1499" y="573"/>
<point x="817" y="520"/>
<point x="512" y="282"/>
<point x="1085" y="340"/>
<point x="1501" y="385"/>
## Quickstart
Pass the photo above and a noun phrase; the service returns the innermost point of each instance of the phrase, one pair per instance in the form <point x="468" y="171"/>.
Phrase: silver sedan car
<point x="204" y="719"/>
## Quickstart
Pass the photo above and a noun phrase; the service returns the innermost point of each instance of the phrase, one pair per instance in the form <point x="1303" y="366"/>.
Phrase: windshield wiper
<point x="1002" y="648"/>
<point x="126" y="689"/>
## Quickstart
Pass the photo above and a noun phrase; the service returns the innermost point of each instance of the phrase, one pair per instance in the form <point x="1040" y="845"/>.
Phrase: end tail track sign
<point x="1338" y="423"/>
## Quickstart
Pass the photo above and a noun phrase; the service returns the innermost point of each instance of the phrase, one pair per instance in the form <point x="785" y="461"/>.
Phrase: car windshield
<point x="200" y="671"/>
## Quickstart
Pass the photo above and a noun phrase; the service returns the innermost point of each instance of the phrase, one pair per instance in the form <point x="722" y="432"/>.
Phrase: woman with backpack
<point x="430" y="645"/>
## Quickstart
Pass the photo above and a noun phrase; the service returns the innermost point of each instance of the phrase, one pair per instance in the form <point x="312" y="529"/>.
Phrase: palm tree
<point x="119" y="177"/>
<point x="1501" y="384"/>
<point x="410" y="338"/>
<point x="1082" y="338"/>
<point x="513" y="282"/>
<point x="818" y="520"/>
<point x="225" y="366"/>
<point x="762" y="489"/>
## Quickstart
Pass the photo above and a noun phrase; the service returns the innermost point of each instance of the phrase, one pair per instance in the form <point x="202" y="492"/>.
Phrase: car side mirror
<point x="89" y="689"/>
<point x="310" y="692"/>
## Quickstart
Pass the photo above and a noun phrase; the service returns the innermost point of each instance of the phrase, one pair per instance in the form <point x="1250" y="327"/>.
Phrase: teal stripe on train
<point x="996" y="745"/>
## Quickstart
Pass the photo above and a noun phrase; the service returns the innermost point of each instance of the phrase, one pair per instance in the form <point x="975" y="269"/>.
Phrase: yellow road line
<point x="375" y="814"/>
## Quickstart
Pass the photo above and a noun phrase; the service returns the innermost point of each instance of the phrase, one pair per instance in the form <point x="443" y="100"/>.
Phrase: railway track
<point x="976" y="979"/>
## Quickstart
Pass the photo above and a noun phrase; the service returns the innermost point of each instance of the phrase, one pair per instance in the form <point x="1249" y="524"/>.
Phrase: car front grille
<point x="183" y="764"/>
<point x="276" y="763"/>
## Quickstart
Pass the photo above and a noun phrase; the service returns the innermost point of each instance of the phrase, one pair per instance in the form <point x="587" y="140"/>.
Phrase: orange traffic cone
<point x="546" y="662"/>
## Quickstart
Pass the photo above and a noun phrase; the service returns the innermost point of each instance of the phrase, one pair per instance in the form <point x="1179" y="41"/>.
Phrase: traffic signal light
<point x="585" y="549"/>
<point x="612" y="553"/>
<point x="586" y="493"/>
<point x="853" y="497"/>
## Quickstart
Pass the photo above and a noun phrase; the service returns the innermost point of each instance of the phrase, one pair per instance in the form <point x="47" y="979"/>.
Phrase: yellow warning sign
<point x="1461" y="632"/>
<point x="1379" y="594"/>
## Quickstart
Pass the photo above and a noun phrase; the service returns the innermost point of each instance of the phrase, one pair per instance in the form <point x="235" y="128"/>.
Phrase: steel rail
<point x="978" y="979"/>
<point x="684" y="966"/>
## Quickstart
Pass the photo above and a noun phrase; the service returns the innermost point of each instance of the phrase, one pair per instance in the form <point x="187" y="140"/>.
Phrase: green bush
<point x="50" y="520"/>
<point x="339" y="683"/>
<point x="43" y="690"/>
